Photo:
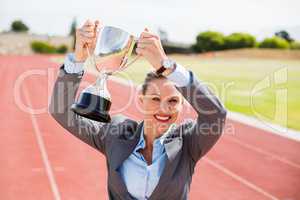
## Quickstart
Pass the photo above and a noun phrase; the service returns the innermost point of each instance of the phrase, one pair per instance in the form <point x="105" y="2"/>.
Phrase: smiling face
<point x="161" y="104"/>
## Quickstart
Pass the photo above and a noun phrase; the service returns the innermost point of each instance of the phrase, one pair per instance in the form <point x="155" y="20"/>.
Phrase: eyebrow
<point x="154" y="94"/>
<point x="151" y="95"/>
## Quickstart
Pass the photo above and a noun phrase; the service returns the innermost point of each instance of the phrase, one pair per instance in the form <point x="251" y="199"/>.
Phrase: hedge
<point x="239" y="40"/>
<point x="295" y="45"/>
<point x="46" y="48"/>
<point x="209" y="41"/>
<point x="274" y="43"/>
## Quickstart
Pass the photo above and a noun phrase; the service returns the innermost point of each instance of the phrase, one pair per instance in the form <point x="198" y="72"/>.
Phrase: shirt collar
<point x="157" y="142"/>
<point x="141" y="144"/>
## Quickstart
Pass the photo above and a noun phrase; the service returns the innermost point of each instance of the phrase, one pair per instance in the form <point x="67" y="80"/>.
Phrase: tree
<point x="19" y="26"/>
<point x="73" y="27"/>
<point x="73" y="31"/>
<point x="284" y="35"/>
<point x="209" y="41"/>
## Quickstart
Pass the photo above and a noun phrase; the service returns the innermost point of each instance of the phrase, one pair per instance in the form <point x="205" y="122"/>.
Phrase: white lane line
<point x="240" y="179"/>
<point x="42" y="148"/>
<point x="261" y="151"/>
<point x="266" y="126"/>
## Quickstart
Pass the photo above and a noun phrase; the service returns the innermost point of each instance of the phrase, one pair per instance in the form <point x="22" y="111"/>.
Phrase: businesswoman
<point x="152" y="159"/>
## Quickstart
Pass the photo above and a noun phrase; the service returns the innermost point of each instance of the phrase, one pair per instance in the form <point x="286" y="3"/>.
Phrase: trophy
<point x="113" y="48"/>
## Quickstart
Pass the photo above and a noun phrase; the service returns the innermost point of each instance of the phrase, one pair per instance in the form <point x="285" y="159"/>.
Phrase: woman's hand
<point x="149" y="46"/>
<point x="86" y="37"/>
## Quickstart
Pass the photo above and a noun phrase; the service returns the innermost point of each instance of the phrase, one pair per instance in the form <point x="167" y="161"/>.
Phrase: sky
<point x="181" y="19"/>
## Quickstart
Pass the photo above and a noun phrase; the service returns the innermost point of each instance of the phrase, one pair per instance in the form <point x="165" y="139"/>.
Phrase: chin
<point x="163" y="122"/>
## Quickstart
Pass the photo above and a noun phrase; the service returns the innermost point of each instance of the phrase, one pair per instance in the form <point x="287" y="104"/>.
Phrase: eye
<point x="157" y="99"/>
<point x="173" y="101"/>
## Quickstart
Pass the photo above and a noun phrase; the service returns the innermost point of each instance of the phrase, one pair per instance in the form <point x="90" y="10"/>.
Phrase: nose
<point x="165" y="107"/>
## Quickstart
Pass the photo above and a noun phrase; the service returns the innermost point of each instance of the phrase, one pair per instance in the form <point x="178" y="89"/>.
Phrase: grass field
<point x="234" y="79"/>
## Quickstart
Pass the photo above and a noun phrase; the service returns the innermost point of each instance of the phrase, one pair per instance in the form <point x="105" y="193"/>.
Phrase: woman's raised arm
<point x="203" y="133"/>
<point x="65" y="89"/>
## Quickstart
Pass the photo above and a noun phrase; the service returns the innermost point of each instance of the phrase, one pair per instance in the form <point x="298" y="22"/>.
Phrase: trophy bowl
<point x="113" y="48"/>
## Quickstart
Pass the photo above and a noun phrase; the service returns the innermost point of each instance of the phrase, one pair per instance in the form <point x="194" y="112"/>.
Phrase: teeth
<point x="161" y="117"/>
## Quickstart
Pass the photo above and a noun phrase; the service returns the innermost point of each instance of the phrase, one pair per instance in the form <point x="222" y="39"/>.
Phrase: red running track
<point x="40" y="160"/>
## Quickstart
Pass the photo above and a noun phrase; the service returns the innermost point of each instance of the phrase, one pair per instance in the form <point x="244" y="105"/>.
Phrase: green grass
<point x="233" y="80"/>
<point x="240" y="76"/>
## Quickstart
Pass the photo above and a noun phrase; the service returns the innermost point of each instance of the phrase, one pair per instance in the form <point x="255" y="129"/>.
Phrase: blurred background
<point x="248" y="52"/>
<point x="233" y="37"/>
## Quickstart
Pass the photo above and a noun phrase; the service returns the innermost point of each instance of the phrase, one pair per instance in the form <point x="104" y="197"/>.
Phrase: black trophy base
<point x="92" y="107"/>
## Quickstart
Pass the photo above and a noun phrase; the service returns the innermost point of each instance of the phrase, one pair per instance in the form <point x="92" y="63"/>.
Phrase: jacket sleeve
<point x="63" y="96"/>
<point x="201" y="135"/>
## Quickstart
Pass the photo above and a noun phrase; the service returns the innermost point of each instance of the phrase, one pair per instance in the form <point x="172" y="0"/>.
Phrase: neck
<point x="150" y="133"/>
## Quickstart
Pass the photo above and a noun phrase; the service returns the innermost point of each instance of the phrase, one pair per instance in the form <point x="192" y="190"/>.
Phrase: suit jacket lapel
<point x="123" y="147"/>
<point x="173" y="143"/>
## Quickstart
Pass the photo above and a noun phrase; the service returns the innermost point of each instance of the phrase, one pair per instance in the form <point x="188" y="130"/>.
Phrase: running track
<point x="40" y="160"/>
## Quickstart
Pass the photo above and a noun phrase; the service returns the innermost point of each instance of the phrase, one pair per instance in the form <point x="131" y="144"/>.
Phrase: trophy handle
<point x="135" y="39"/>
<point x="124" y="64"/>
<point x="133" y="61"/>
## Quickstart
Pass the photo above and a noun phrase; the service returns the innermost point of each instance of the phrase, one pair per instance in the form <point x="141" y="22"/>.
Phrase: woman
<point x="154" y="159"/>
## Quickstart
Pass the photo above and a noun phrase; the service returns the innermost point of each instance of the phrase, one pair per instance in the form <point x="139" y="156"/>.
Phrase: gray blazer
<point x="184" y="145"/>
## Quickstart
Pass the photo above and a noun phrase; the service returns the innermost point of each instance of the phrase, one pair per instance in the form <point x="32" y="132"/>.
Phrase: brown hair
<point x="151" y="76"/>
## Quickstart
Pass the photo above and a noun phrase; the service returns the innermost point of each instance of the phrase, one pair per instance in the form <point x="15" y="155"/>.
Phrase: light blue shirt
<point x="139" y="177"/>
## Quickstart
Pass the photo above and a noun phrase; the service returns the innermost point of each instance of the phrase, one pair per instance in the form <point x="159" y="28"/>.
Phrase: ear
<point x="182" y="100"/>
<point x="141" y="98"/>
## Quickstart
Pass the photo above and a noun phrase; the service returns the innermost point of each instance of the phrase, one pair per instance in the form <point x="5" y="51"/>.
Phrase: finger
<point x="145" y="45"/>
<point x="140" y="51"/>
<point x="88" y="29"/>
<point x="89" y="23"/>
<point x="94" y="28"/>
<point x="146" y="30"/>
<point x="98" y="26"/>
<point x="97" y="23"/>
<point x="91" y="28"/>
<point x="87" y="40"/>
<point x="87" y="44"/>
<point x="87" y="34"/>
<point x="147" y="40"/>
<point x="148" y="35"/>
<point x="78" y="31"/>
<point x="140" y="45"/>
